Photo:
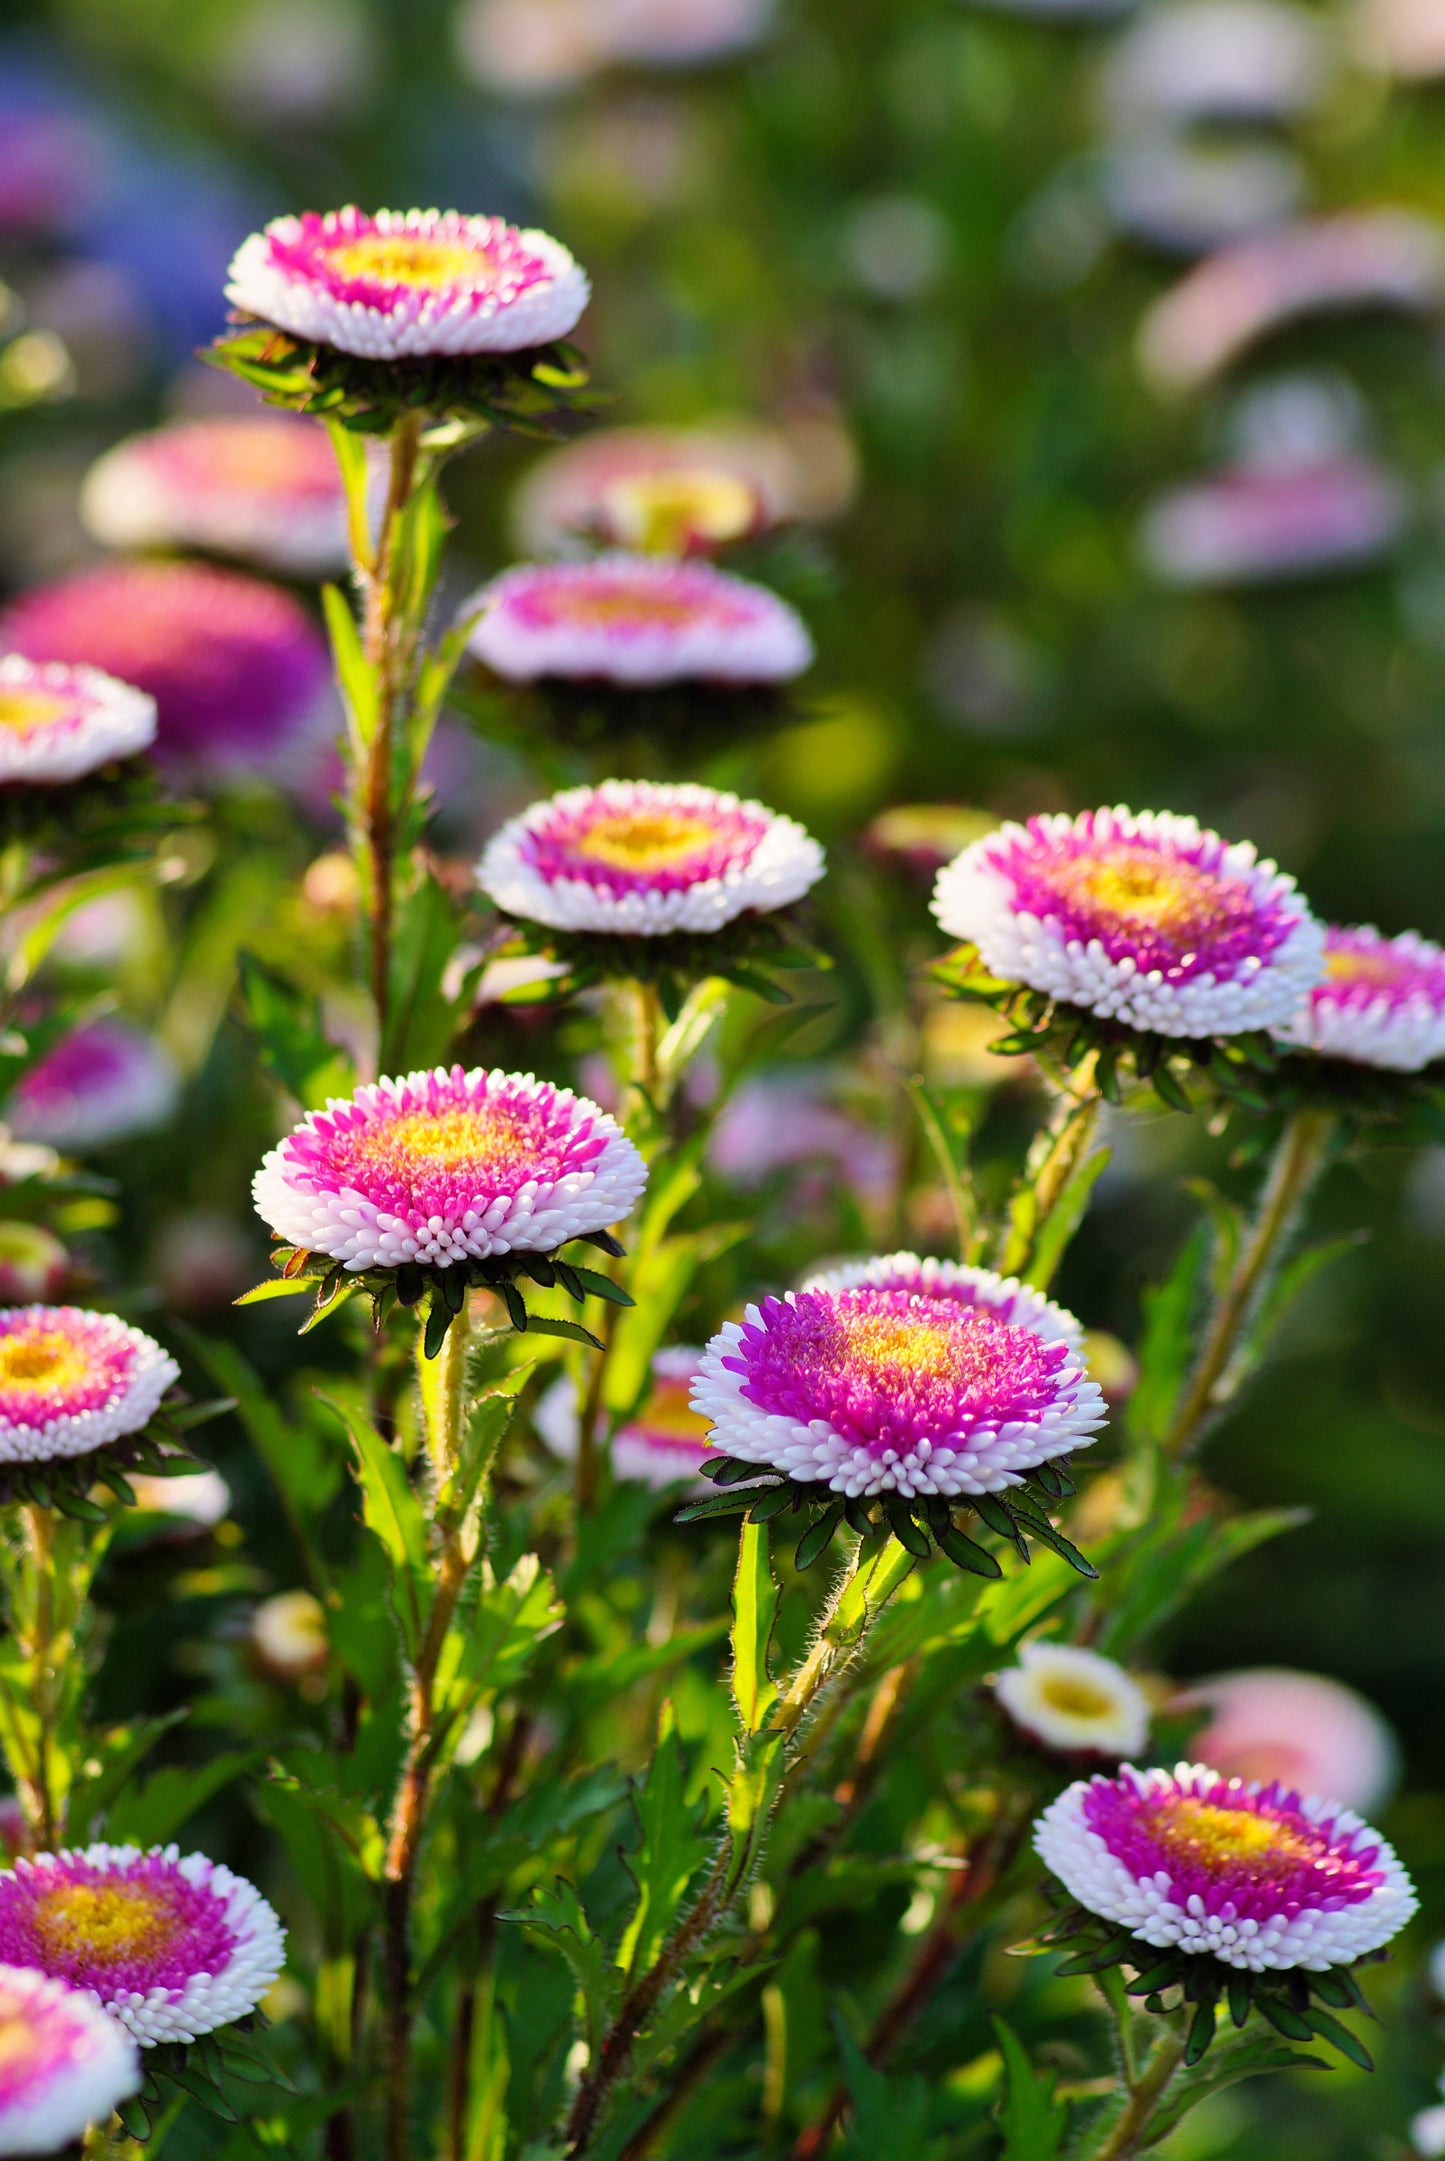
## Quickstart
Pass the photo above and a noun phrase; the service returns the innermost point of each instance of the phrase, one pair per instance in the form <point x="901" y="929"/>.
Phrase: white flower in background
<point x="59" y="722"/>
<point x="1070" y="1699"/>
<point x="1218" y="60"/>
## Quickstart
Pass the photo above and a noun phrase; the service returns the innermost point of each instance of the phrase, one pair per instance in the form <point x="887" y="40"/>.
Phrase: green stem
<point x="1303" y="1150"/>
<point x="389" y="640"/>
<point x="38" y="1795"/>
<point x="1059" y="1150"/>
<point x="1125" y="2136"/>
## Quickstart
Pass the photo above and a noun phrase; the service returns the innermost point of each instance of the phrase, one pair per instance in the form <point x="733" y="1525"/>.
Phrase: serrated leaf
<point x="394" y="1514"/>
<point x="674" y="1846"/>
<point x="890" y="2114"/>
<point x="1034" y="2125"/>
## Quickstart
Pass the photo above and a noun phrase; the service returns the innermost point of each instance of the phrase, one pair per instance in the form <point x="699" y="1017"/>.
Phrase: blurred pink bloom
<point x="1360" y="259"/>
<point x="530" y="47"/>
<point x="1186" y="195"/>
<point x="1219" y="60"/>
<point x="1404" y="38"/>
<point x="102" y="1082"/>
<point x="1310" y="1733"/>
<point x="1249" y="525"/>
<point x="51" y="165"/>
<point x="774" y="1124"/>
<point x="602" y="487"/>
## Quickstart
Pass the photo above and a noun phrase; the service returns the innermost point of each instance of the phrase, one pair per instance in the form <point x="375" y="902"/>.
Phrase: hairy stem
<point x="1125" y="2136"/>
<point x="389" y="640"/>
<point x="40" y="1794"/>
<point x="1060" y="1148"/>
<point x="1303" y="1150"/>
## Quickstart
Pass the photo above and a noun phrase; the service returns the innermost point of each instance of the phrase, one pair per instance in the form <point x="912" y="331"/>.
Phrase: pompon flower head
<point x="172" y="1947"/>
<point x="906" y="1376"/>
<point x="1074" y="1700"/>
<point x="64" y="2064"/>
<point x="408" y="284"/>
<point x="1303" y="1729"/>
<point x="59" y="722"/>
<point x="103" y="1082"/>
<point x="73" y="1381"/>
<point x="683" y="490"/>
<point x="646" y="859"/>
<point x="1258" y="1877"/>
<point x="665" y="1440"/>
<point x="637" y="620"/>
<point x="264" y="487"/>
<point x="441" y="1167"/>
<point x="239" y="672"/>
<point x="1151" y="920"/>
<point x="1382" y="1001"/>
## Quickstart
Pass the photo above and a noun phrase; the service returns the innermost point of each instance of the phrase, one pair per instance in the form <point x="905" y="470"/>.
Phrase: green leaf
<point x="1033" y="2123"/>
<point x="755" y="1613"/>
<point x="890" y="2115"/>
<point x="287" y="1025"/>
<point x="151" y="1814"/>
<point x="539" y="1325"/>
<point x="394" y="1515"/>
<point x="261" y="1294"/>
<point x="512" y="1619"/>
<point x="355" y="468"/>
<point x="674" y="1846"/>
<point x="1168" y="1345"/>
<point x="421" y="1021"/>
<point x="1054" y="1235"/>
<point x="305" y="1467"/>
<point x="556" y="1920"/>
<point x="356" y="679"/>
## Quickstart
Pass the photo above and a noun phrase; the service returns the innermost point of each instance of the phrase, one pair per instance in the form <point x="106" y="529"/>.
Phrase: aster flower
<point x="1187" y="194"/>
<point x="288" y="1635"/>
<point x="663" y="1442"/>
<point x="73" y="1381"/>
<point x="647" y="859"/>
<point x="103" y="1082"/>
<point x="637" y="620"/>
<point x="1382" y="1001"/>
<point x="1300" y="1729"/>
<point x="172" y="1947"/>
<point x="1250" y="525"/>
<point x="1218" y="60"/>
<point x="686" y="490"/>
<point x="408" y="284"/>
<point x="64" y="2065"/>
<point x="1074" y="1700"/>
<point x="264" y="487"/>
<point x="1150" y="921"/>
<point x="528" y="48"/>
<point x="59" y="722"/>
<point x="925" y="1384"/>
<point x="239" y="672"/>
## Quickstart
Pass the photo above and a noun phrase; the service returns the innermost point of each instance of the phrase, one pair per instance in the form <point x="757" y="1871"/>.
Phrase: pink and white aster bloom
<point x="687" y="488"/>
<point x="900" y="1375"/>
<point x="408" y="284"/>
<point x="1381" y="1003"/>
<point x="1150" y="919"/>
<point x="64" y="2064"/>
<point x="665" y="1440"/>
<point x="1073" y="1700"/>
<point x="264" y="487"/>
<point x="1258" y="1877"/>
<point x="448" y="1166"/>
<point x="72" y="1381"/>
<point x="1302" y="1729"/>
<point x="103" y="1082"/>
<point x="644" y="859"/>
<point x="58" y="722"/>
<point x="638" y="620"/>
<point x="1324" y="265"/>
<point x="172" y="1947"/>
<point x="1254" y="525"/>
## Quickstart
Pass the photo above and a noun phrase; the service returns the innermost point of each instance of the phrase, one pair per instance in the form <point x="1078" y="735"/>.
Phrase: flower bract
<point x="1072" y="1699"/>
<point x="903" y="1376"/>
<point x="1258" y="1877"/>
<point x="645" y="858"/>
<point x="664" y="1440"/>
<point x="73" y="1381"/>
<point x="639" y="620"/>
<point x="1381" y="1003"/>
<point x="104" y="1081"/>
<point x="441" y="1166"/>
<point x="172" y="1946"/>
<point x="405" y="284"/>
<point x="58" y="721"/>
<point x="63" y="2063"/>
<point x="1150" y="919"/>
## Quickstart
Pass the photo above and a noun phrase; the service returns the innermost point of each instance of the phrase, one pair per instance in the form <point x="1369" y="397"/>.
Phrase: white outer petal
<point x="103" y="2071"/>
<point x="1121" y="1730"/>
<point x="1401" y="1036"/>
<point x="79" y="1433"/>
<point x="120" y="724"/>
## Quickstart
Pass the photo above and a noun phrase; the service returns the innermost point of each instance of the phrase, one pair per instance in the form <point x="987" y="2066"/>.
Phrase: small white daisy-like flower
<point x="1149" y="919"/>
<point x="58" y="722"/>
<point x="72" y="1381"/>
<point x="664" y="1441"/>
<point x="1382" y="1001"/>
<point x="64" y="2064"/>
<point x="637" y="620"/>
<point x="445" y="1166"/>
<point x="173" y="1947"/>
<point x="1258" y="1877"/>
<point x="1075" y="1700"/>
<point x="408" y="284"/>
<point x="901" y="1375"/>
<point x="288" y="1635"/>
<point x="645" y="859"/>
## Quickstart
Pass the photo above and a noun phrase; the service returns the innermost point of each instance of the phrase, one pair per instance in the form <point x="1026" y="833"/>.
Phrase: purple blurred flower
<point x="103" y="1082"/>
<point x="1218" y="60"/>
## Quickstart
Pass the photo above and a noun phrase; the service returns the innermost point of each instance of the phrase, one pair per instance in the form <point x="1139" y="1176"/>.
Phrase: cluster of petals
<point x="1381" y="1003"/>
<point x="408" y="284"/>
<point x="238" y="670"/>
<point x="638" y="620"/>
<point x="64" y="2064"/>
<point x="1258" y="1877"/>
<point x="445" y="1166"/>
<point x="644" y="859"/>
<point x="263" y="487"/>
<point x="624" y="486"/>
<point x="1303" y="1729"/>
<point x="1074" y="1701"/>
<point x="72" y="1381"/>
<point x="104" y="1081"/>
<point x="173" y="1946"/>
<point x="1149" y="919"/>
<point x="664" y="1441"/>
<point x="901" y="1375"/>
<point x="59" y="721"/>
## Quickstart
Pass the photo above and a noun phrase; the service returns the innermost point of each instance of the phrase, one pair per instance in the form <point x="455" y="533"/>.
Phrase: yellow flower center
<point x="668" y="1414"/>
<point x="103" y="1922"/>
<point x="663" y="512"/>
<point x="1075" y="1697"/>
<point x="448" y="1140"/>
<point x="41" y="1362"/>
<point x="1219" y="1837"/>
<point x="1137" y="887"/>
<point x="1348" y="966"/>
<point x="925" y="1348"/>
<point x="266" y="458"/>
<point x="23" y="711"/>
<point x="643" y="840"/>
<point x="407" y="259"/>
